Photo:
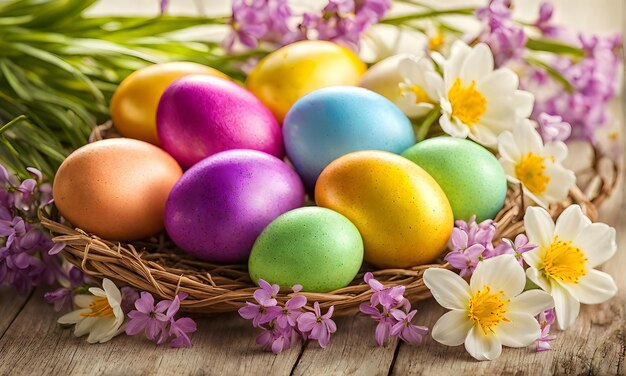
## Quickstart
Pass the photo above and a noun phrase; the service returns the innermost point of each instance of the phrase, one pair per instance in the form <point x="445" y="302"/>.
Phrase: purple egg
<point x="199" y="116"/>
<point x="221" y="204"/>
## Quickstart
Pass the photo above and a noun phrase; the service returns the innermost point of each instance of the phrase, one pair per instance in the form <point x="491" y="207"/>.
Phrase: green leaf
<point x="557" y="47"/>
<point x="555" y="74"/>
<point x="429" y="14"/>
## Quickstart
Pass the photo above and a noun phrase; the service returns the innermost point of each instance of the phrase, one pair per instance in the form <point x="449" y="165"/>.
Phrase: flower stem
<point x="12" y="122"/>
<point x="432" y="116"/>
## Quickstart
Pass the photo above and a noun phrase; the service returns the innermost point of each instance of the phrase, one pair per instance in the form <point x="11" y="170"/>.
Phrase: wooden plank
<point x="11" y="303"/>
<point x="36" y="345"/>
<point x="593" y="345"/>
<point x="352" y="351"/>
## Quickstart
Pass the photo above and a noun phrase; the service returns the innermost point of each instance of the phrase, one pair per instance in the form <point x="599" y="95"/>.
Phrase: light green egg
<point x="317" y="248"/>
<point x="469" y="174"/>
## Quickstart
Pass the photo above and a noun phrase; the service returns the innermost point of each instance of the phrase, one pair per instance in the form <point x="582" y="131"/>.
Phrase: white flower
<point x="538" y="167"/>
<point x="99" y="314"/>
<point x="477" y="101"/>
<point x="563" y="264"/>
<point x="416" y="97"/>
<point x="491" y="311"/>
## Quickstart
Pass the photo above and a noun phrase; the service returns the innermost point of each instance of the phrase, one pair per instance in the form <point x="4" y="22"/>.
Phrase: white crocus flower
<point x="416" y="97"/>
<point x="563" y="264"/>
<point x="477" y="101"/>
<point x="538" y="167"/>
<point x="99" y="315"/>
<point x="489" y="312"/>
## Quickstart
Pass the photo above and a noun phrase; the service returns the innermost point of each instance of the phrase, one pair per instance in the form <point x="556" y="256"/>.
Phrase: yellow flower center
<point x="564" y="262"/>
<point x="420" y="94"/>
<point x="99" y="308"/>
<point x="530" y="170"/>
<point x="468" y="104"/>
<point x="436" y="41"/>
<point x="487" y="309"/>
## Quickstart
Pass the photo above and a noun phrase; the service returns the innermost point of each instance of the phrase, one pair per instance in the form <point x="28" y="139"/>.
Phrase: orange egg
<point x="116" y="188"/>
<point x="134" y="103"/>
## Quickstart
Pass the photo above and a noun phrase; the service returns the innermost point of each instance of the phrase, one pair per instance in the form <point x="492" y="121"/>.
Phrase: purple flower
<point x="466" y="260"/>
<point x="409" y="333"/>
<point x="149" y="318"/>
<point x="180" y="329"/>
<point x="516" y="248"/>
<point x="387" y="297"/>
<point x="61" y="298"/>
<point x="506" y="39"/>
<point x="344" y="21"/>
<point x="547" y="28"/>
<point x="267" y="309"/>
<point x="290" y="313"/>
<point x="276" y="339"/>
<point x="385" y="322"/>
<point x="129" y="297"/>
<point x="163" y="5"/>
<point x="318" y="326"/>
<point x="552" y="128"/>
<point x="545" y="319"/>
<point x="12" y="229"/>
<point x="258" y="21"/>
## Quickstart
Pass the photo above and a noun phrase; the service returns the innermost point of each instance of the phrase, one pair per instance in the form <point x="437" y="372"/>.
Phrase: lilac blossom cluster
<point x="276" y="23"/>
<point x="576" y="109"/>
<point x="27" y="254"/>
<point x="158" y="321"/>
<point x="472" y="242"/>
<point x="392" y="311"/>
<point x="286" y="325"/>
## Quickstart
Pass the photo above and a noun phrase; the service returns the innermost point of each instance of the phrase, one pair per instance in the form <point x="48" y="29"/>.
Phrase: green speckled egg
<point x="469" y="174"/>
<point x="317" y="248"/>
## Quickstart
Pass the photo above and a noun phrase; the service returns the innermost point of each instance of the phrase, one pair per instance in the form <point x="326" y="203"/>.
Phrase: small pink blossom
<point x="467" y="260"/>
<point x="319" y="327"/>
<point x="546" y="319"/>
<point x="289" y="315"/>
<point x="409" y="333"/>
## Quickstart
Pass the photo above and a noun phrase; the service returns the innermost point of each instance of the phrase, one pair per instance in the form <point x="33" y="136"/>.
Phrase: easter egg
<point x="116" y="188"/>
<point x="285" y="75"/>
<point x="401" y="212"/>
<point x="220" y="205"/>
<point x="334" y="121"/>
<point x="202" y="115"/>
<point x="469" y="174"/>
<point x="134" y="103"/>
<point x="314" y="247"/>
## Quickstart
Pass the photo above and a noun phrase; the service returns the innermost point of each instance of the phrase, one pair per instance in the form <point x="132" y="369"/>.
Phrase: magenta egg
<point x="199" y="116"/>
<point x="221" y="204"/>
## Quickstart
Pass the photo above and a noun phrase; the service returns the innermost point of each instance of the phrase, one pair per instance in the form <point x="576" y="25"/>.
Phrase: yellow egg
<point x="134" y="103"/>
<point x="401" y="212"/>
<point x="287" y="74"/>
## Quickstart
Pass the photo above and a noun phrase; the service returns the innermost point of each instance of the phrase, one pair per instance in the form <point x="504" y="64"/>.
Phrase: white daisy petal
<point x="531" y="302"/>
<point x="558" y="150"/>
<point x="522" y="330"/>
<point x="481" y="346"/>
<point x="84" y="326"/>
<point x="539" y="226"/>
<point x="448" y="288"/>
<point x="477" y="64"/>
<point x="452" y="328"/>
<point x="502" y="272"/>
<point x="83" y="300"/>
<point x="500" y="82"/>
<point x="484" y="135"/>
<point x="507" y="147"/>
<point x="528" y="139"/>
<point x="561" y="181"/>
<point x="113" y="294"/>
<point x="594" y="288"/>
<point x="570" y="223"/>
<point x="97" y="291"/>
<point x="565" y="306"/>
<point x="597" y="242"/>
<point x="541" y="201"/>
<point x="100" y="329"/>
<point x="73" y="317"/>
<point x="537" y="277"/>
<point x="452" y="127"/>
<point x="523" y="103"/>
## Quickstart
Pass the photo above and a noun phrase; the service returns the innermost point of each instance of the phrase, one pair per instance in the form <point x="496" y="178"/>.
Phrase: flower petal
<point x="537" y="277"/>
<point x="539" y="226"/>
<point x="452" y="328"/>
<point x="453" y="128"/>
<point x="565" y="305"/>
<point x="522" y="330"/>
<point x="73" y="317"/>
<point x="499" y="273"/>
<point x="570" y="223"/>
<point x="477" y="64"/>
<point x="594" y="288"/>
<point x="531" y="302"/>
<point x="448" y="288"/>
<point x="597" y="242"/>
<point x="481" y="346"/>
<point x="523" y="102"/>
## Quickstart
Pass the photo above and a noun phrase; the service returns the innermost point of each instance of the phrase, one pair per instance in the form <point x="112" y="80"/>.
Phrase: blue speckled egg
<point x="331" y="122"/>
<point x="471" y="177"/>
<point x="317" y="248"/>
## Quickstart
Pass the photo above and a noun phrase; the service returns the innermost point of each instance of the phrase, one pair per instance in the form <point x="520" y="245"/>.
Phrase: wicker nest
<point x="159" y="267"/>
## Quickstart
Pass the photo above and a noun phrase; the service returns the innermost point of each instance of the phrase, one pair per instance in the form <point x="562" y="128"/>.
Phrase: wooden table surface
<point x="32" y="343"/>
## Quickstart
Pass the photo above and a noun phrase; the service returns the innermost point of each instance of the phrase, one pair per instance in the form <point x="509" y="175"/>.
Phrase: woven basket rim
<point x="158" y="267"/>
